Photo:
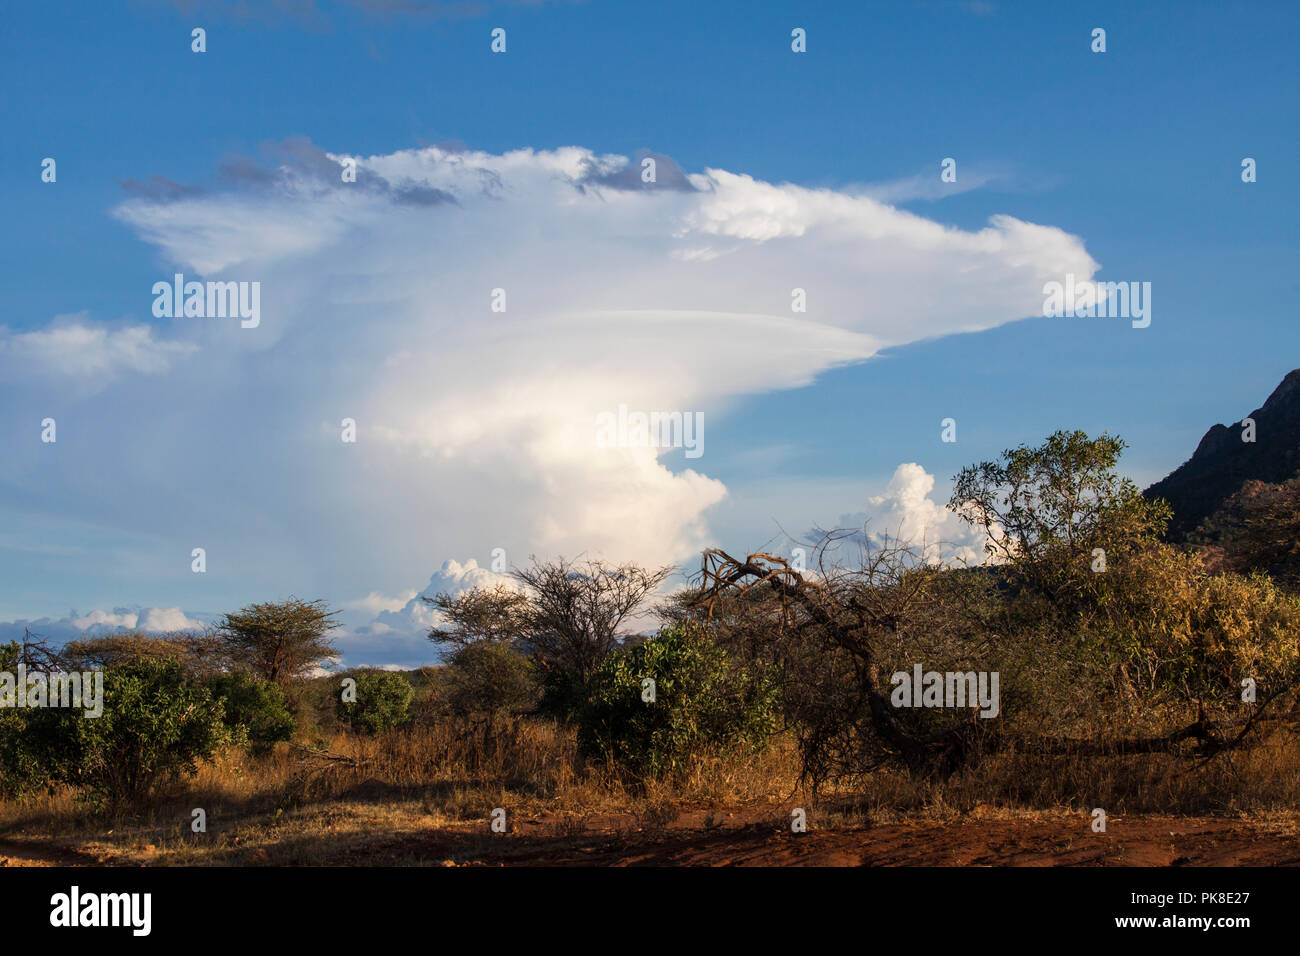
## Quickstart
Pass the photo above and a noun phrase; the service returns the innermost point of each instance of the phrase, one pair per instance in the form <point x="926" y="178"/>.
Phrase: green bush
<point x="20" y="769"/>
<point x="490" y="678"/>
<point x="258" y="706"/>
<point x="703" y="704"/>
<point x="383" y="701"/>
<point x="156" y="726"/>
<point x="563" y="693"/>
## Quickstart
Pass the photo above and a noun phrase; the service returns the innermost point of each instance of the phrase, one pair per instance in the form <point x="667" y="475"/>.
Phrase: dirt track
<point x="1065" y="841"/>
<point x="741" y="839"/>
<point x="41" y="853"/>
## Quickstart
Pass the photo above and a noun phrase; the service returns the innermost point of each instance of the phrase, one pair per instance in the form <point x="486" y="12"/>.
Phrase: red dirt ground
<point x="748" y="838"/>
<point x="1060" y="841"/>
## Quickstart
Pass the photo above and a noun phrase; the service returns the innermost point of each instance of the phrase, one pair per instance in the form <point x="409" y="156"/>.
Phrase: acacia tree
<point x="283" y="641"/>
<point x="201" y="655"/>
<point x="567" y="616"/>
<point x="34" y="653"/>
<point x="576" y="612"/>
<point x="494" y="616"/>
<point x="489" y="669"/>
<point x="1045" y="511"/>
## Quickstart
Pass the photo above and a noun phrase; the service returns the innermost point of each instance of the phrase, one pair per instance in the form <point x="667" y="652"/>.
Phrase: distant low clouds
<point x="416" y="615"/>
<point x="376" y="603"/>
<point x="153" y="620"/>
<point x="397" y="633"/>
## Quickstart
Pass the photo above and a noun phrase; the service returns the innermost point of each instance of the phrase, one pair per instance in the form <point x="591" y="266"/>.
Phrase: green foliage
<point x="1152" y="621"/>
<point x="491" y="678"/>
<point x="1257" y="529"/>
<point x="20" y="768"/>
<point x="496" y="615"/>
<point x="281" y="642"/>
<point x="564" y="693"/>
<point x="1045" y="509"/>
<point x="565" y="615"/>
<point x="201" y="655"/>
<point x="703" y="703"/>
<point x="1173" y="628"/>
<point x="156" y="726"/>
<point x="576" y="612"/>
<point x="383" y="701"/>
<point x="257" y="706"/>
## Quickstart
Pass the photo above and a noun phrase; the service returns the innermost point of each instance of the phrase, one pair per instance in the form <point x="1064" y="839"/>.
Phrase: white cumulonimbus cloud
<point x="476" y="428"/>
<point x="400" y="629"/>
<point x="906" y="515"/>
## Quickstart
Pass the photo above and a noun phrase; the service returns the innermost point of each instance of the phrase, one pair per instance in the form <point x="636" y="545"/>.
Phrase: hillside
<point x="1223" y="463"/>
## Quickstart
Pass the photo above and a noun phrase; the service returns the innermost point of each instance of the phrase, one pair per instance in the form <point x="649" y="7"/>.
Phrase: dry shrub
<point x="531" y="755"/>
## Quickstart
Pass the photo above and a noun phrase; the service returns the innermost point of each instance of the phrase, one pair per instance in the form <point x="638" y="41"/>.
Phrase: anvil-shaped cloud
<point x="476" y="428"/>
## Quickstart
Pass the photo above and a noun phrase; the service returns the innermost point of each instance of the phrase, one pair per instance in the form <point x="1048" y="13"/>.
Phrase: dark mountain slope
<point x="1223" y="462"/>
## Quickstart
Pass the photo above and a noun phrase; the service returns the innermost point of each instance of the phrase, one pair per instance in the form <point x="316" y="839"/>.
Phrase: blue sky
<point x="1136" y="152"/>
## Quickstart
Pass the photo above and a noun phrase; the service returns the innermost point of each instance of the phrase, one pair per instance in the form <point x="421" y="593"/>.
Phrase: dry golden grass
<point x="360" y="799"/>
<point x="304" y="805"/>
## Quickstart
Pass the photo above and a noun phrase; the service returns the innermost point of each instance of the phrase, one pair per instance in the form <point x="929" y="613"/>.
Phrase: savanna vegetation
<point x="1133" y="674"/>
